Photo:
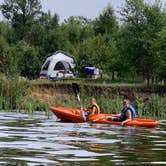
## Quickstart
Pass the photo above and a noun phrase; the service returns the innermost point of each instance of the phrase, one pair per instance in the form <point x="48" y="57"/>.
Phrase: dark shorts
<point x="118" y="119"/>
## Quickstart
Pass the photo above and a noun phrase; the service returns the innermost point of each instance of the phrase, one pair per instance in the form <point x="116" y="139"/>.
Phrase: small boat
<point x="75" y="116"/>
<point x="68" y="114"/>
<point x="139" y="122"/>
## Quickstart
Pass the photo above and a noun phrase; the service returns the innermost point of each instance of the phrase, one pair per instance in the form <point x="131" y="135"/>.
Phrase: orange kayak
<point x="75" y="116"/>
<point x="68" y="114"/>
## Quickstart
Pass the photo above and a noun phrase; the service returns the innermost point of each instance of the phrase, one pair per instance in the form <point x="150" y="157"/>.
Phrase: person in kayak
<point x="127" y="114"/>
<point x="92" y="109"/>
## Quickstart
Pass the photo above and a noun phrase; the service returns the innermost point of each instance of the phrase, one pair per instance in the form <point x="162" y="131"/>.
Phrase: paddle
<point x="76" y="91"/>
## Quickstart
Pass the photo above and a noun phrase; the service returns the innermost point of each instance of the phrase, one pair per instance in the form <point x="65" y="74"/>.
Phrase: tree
<point x="95" y="52"/>
<point x="8" y="56"/>
<point x="161" y="54"/>
<point x="4" y="47"/>
<point x="48" y="21"/>
<point x="22" y="14"/>
<point x="3" y="56"/>
<point x="80" y="20"/>
<point x="28" y="59"/>
<point x="142" y="23"/>
<point x="54" y="40"/>
<point x="77" y="29"/>
<point x="72" y="32"/>
<point x="107" y="26"/>
<point x="106" y="23"/>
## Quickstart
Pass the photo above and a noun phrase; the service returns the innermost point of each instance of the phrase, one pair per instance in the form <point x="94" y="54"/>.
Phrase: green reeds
<point x="32" y="104"/>
<point x="11" y="93"/>
<point x="153" y="106"/>
<point x="18" y="94"/>
<point x="147" y="105"/>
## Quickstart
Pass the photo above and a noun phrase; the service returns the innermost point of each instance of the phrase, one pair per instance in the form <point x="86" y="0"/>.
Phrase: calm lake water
<point x="36" y="140"/>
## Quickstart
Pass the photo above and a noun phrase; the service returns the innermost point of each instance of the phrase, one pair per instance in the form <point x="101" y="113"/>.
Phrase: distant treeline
<point x="132" y="47"/>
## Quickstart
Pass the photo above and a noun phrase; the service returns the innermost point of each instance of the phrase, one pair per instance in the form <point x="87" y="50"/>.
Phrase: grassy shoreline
<point x="18" y="94"/>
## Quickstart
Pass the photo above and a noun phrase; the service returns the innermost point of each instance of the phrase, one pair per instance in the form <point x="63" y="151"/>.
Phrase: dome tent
<point x="59" y="64"/>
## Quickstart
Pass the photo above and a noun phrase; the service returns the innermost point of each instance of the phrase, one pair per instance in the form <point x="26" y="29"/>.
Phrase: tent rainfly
<point x="58" y="65"/>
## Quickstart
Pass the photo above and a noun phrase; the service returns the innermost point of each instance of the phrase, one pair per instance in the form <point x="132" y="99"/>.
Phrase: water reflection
<point x="37" y="140"/>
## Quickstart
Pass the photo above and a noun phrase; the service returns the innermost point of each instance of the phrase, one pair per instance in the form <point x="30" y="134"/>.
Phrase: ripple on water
<point x="37" y="140"/>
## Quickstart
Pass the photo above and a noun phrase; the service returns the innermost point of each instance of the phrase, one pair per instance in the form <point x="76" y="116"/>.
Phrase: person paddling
<point x="127" y="114"/>
<point x="92" y="109"/>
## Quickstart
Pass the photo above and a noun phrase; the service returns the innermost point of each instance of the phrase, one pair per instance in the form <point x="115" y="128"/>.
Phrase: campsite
<point x="120" y="51"/>
<point x="50" y="70"/>
<point x="57" y="66"/>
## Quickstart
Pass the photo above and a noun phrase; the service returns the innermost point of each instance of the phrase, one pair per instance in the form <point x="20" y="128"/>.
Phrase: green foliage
<point x="12" y="92"/>
<point x="106" y="23"/>
<point x="147" y="105"/>
<point x="143" y="22"/>
<point x="153" y="106"/>
<point x="161" y="53"/>
<point x="16" y="94"/>
<point x="21" y="13"/>
<point x="96" y="51"/>
<point x="134" y="48"/>
<point x="3" y="46"/>
<point x="28" y="59"/>
<point x="54" y="40"/>
<point x="5" y="30"/>
<point x="72" y="32"/>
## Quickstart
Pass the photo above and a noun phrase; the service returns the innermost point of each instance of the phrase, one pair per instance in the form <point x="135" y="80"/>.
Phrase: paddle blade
<point x="76" y="89"/>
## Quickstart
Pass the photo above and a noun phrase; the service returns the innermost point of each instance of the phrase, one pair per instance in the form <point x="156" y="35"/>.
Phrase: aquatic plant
<point x="12" y="92"/>
<point x="20" y="94"/>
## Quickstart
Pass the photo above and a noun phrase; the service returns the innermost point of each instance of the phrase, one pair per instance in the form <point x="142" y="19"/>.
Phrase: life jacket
<point x="133" y="112"/>
<point x="124" y="110"/>
<point x="89" y="110"/>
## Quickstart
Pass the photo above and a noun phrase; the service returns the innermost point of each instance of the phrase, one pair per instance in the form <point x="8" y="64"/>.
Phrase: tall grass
<point x="12" y="92"/>
<point x="17" y="94"/>
<point x="153" y="106"/>
<point x="147" y="106"/>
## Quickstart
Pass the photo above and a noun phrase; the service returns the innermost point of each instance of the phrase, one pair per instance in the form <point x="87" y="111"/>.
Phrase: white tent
<point x="58" y="65"/>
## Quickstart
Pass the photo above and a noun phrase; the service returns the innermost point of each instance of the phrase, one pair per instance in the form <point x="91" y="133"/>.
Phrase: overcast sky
<point x="87" y="8"/>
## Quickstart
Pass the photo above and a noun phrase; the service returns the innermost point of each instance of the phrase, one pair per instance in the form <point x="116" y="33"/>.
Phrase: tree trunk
<point x="148" y="80"/>
<point x="113" y="76"/>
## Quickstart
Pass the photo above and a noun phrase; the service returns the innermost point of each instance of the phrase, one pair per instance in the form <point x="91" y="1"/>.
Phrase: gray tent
<point x="58" y="65"/>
